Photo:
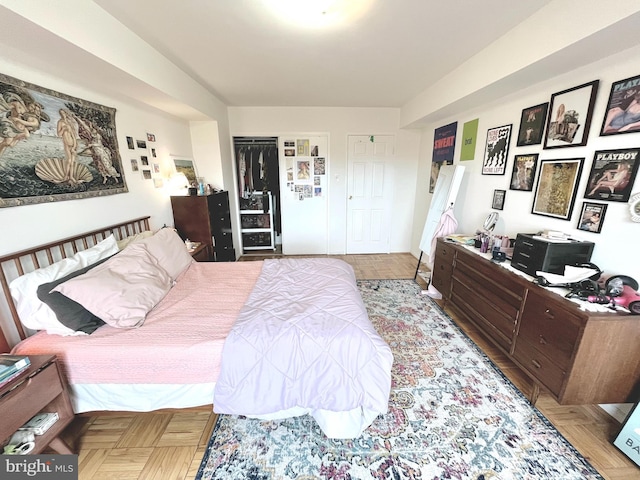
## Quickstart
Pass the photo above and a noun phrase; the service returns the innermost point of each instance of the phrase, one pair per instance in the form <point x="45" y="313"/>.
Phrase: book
<point x="10" y="364"/>
<point x="40" y="422"/>
<point x="11" y="377"/>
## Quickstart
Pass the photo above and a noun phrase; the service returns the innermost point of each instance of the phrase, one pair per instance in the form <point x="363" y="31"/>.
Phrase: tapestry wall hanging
<point x="55" y="147"/>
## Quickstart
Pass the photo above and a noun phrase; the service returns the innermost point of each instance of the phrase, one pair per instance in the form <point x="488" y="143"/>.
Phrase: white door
<point x="369" y="193"/>
<point x="304" y="194"/>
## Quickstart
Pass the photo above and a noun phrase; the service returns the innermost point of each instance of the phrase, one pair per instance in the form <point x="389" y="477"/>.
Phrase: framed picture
<point x="524" y="172"/>
<point x="186" y="166"/>
<point x="612" y="174"/>
<point x="570" y="113"/>
<point x="496" y="150"/>
<point x="55" y="147"/>
<point x="592" y="217"/>
<point x="498" y="199"/>
<point x="623" y="108"/>
<point x="444" y="142"/>
<point x="556" y="188"/>
<point x="532" y="125"/>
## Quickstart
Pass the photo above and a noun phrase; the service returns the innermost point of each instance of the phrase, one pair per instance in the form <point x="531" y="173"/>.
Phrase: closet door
<point x="304" y="170"/>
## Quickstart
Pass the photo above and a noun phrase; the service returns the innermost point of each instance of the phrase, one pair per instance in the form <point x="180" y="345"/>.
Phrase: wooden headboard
<point x="25" y="261"/>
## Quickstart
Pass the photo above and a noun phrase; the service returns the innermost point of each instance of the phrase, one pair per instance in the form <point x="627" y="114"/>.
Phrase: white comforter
<point x="303" y="343"/>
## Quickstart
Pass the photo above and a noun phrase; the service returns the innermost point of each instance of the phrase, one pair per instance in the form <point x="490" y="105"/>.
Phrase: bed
<point x="140" y="326"/>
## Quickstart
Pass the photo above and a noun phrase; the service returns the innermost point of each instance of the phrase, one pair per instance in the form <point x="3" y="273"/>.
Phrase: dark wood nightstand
<point x="40" y="389"/>
<point x="202" y="253"/>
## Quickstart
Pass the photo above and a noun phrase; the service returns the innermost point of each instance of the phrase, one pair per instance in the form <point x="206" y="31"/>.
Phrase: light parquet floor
<point x="170" y="444"/>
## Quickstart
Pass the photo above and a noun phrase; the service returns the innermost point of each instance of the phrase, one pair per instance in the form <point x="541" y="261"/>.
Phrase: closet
<point x="257" y="168"/>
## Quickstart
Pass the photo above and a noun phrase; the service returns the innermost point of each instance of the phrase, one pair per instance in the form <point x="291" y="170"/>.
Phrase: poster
<point x="496" y="150"/>
<point x="612" y="174"/>
<point x="469" y="135"/>
<point x="444" y="142"/>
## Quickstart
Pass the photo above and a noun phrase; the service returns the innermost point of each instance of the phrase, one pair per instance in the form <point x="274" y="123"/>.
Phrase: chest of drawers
<point x="580" y="357"/>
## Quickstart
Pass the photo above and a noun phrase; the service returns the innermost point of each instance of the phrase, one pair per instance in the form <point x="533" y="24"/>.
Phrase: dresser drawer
<point x="479" y="307"/>
<point x="445" y="253"/>
<point x="539" y="366"/>
<point x="552" y="329"/>
<point x="441" y="278"/>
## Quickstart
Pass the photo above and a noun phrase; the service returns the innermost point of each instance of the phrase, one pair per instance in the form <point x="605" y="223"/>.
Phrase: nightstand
<point x="202" y="253"/>
<point x="40" y="389"/>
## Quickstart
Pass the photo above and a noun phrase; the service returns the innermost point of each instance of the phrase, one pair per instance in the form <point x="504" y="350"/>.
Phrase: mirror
<point x="490" y="222"/>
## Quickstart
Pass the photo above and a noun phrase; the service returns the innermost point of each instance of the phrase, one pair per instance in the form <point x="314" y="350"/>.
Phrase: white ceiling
<point x="239" y="51"/>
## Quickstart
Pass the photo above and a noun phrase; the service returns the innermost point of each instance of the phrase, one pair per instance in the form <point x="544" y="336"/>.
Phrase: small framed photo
<point x="141" y="144"/>
<point x="496" y="150"/>
<point x="570" y="113"/>
<point x="151" y="137"/>
<point x="130" y="143"/>
<point x="498" y="199"/>
<point x="592" y="217"/>
<point x="532" y="125"/>
<point x="623" y="108"/>
<point x="557" y="186"/>
<point x="524" y="172"/>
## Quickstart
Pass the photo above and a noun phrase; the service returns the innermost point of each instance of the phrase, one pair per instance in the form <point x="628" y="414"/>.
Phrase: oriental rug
<point x="452" y="415"/>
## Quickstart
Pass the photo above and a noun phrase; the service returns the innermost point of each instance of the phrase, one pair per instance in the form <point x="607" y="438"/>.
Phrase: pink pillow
<point x="123" y="289"/>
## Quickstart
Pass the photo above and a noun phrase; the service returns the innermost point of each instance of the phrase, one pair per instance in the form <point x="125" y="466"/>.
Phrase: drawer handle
<point x="543" y="341"/>
<point x="536" y="364"/>
<point x="527" y="244"/>
<point x="525" y="255"/>
<point x="549" y="313"/>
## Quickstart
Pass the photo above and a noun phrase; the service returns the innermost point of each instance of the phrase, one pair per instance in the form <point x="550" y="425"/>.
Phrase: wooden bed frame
<point x="25" y="261"/>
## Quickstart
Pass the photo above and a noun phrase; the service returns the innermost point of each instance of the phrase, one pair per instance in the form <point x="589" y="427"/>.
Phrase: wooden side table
<point x="41" y="388"/>
<point x="202" y="253"/>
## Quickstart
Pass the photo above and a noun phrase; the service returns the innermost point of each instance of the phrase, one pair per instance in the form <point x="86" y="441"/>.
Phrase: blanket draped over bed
<point x="303" y="343"/>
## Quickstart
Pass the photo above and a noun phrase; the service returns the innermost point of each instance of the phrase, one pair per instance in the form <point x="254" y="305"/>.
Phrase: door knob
<point x="350" y="197"/>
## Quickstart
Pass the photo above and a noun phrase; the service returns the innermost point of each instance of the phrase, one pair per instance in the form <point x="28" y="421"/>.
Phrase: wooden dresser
<point x="579" y="357"/>
<point x="206" y="219"/>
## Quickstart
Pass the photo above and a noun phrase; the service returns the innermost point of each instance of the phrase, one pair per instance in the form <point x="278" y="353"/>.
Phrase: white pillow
<point x="123" y="289"/>
<point x="170" y="251"/>
<point x="134" y="238"/>
<point x="36" y="315"/>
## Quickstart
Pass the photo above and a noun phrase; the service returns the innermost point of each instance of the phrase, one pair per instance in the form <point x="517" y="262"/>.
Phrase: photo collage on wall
<point x="146" y="160"/>
<point x="306" y="168"/>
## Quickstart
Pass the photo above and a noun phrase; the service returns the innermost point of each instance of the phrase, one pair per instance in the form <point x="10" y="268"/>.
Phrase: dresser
<point x="580" y="357"/>
<point x="206" y="219"/>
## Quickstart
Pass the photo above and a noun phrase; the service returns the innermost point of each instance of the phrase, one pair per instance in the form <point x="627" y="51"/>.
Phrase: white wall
<point x="616" y="245"/>
<point x="338" y="123"/>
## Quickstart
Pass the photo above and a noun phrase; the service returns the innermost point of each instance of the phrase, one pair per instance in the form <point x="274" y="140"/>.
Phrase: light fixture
<point x="317" y="14"/>
<point x="177" y="184"/>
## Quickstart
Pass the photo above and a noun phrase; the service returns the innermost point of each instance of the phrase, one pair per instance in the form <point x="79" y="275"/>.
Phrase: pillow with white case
<point x="33" y="313"/>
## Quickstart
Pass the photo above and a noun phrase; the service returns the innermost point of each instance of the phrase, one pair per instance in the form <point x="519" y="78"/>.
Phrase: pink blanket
<point x="180" y="342"/>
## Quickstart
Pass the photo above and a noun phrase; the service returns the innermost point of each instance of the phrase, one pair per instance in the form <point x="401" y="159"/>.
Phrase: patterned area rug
<point x="452" y="415"/>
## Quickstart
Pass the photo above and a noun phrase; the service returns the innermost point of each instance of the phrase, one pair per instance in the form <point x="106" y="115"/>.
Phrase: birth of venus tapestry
<point x="55" y="147"/>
